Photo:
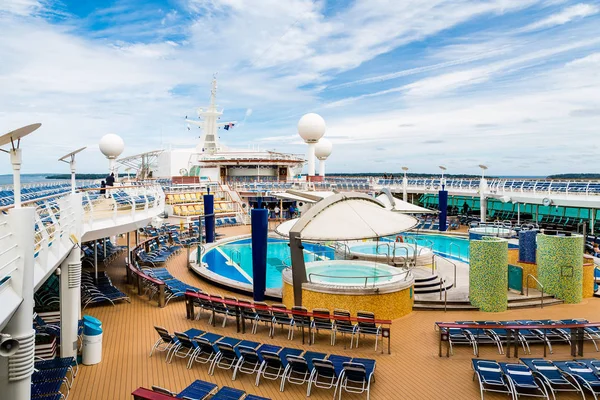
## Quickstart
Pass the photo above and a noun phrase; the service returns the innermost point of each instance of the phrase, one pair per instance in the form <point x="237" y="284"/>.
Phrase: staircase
<point x="427" y="283"/>
<point x="464" y="305"/>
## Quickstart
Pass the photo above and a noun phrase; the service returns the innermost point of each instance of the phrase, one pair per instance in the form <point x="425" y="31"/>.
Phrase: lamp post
<point x="70" y="159"/>
<point x="442" y="181"/>
<point x="405" y="185"/>
<point x="323" y="151"/>
<point x="482" y="194"/>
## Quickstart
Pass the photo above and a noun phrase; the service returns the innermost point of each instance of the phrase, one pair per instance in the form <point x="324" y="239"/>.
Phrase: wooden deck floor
<point x="412" y="371"/>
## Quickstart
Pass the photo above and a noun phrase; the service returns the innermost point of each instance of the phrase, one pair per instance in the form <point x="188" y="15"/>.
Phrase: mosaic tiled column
<point x="527" y="246"/>
<point x="560" y="266"/>
<point x="488" y="274"/>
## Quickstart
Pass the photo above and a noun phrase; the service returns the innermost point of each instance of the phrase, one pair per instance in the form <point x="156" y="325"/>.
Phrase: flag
<point x="229" y="126"/>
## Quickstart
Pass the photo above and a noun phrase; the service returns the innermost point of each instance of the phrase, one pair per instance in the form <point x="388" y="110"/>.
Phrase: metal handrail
<point x="452" y="244"/>
<point x="366" y="278"/>
<point x="405" y="258"/>
<point x="538" y="282"/>
<point x="453" y="265"/>
<point x="239" y="256"/>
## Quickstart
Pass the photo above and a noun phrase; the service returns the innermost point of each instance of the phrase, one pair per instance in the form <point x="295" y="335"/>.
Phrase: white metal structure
<point x="70" y="159"/>
<point x="323" y="150"/>
<point x="311" y="128"/>
<point x="111" y="146"/>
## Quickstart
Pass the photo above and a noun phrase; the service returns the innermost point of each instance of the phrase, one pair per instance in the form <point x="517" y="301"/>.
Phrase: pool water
<point x="372" y="249"/>
<point x="447" y="246"/>
<point x="349" y="273"/>
<point x="233" y="260"/>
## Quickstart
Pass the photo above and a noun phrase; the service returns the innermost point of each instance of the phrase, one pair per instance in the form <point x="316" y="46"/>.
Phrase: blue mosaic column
<point x="260" y="229"/>
<point x="488" y="274"/>
<point x="209" y="218"/>
<point x="443" y="203"/>
<point x="560" y="266"/>
<point x="527" y="246"/>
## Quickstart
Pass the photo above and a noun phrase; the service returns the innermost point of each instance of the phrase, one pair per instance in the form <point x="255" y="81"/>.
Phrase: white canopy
<point x="402" y="206"/>
<point x="347" y="216"/>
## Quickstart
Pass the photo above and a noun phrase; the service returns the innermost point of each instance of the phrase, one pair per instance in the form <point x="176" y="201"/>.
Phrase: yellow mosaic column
<point x="488" y="274"/>
<point x="560" y="266"/>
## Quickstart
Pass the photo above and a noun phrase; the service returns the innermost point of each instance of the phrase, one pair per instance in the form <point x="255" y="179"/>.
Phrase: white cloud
<point x="143" y="73"/>
<point x="568" y="14"/>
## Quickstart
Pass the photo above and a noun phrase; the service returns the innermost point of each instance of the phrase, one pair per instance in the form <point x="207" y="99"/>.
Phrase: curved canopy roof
<point x="347" y="216"/>
<point x="401" y="206"/>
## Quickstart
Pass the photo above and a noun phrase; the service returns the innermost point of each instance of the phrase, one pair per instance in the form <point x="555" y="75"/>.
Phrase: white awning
<point x="347" y="216"/>
<point x="290" y="196"/>
<point x="402" y="206"/>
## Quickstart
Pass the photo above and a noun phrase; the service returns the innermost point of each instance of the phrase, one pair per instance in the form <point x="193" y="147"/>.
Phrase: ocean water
<point x="25" y="178"/>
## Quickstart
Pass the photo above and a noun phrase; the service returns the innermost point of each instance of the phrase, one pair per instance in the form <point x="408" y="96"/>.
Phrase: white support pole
<point x="96" y="260"/>
<point x="482" y="199"/>
<point x="72" y="163"/>
<point x="128" y="249"/>
<point x="405" y="188"/>
<point x="322" y="168"/>
<point x="70" y="288"/>
<point x="518" y="213"/>
<point x="15" y="159"/>
<point x="16" y="371"/>
<point x="311" y="159"/>
<point x="592" y="220"/>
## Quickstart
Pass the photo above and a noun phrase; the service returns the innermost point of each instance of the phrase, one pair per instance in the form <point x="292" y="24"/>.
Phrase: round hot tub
<point x="355" y="285"/>
<point x="497" y="231"/>
<point x="397" y="253"/>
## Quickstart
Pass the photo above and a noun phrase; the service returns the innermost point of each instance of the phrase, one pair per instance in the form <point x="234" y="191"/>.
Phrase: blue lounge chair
<point x="184" y="348"/>
<point x="523" y="382"/>
<point x="297" y="371"/>
<point x="274" y="364"/>
<point x="198" y="390"/>
<point x="166" y="342"/>
<point x="228" y="393"/>
<point x="251" y="359"/>
<point x="490" y="377"/>
<point x="206" y="350"/>
<point x="583" y="375"/>
<point x="326" y="373"/>
<point x="554" y="379"/>
<point x="356" y="377"/>
<point x="228" y="354"/>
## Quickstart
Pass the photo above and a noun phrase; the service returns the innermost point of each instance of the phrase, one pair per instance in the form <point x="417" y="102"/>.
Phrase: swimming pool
<point x="233" y="260"/>
<point x="444" y="245"/>
<point x="352" y="273"/>
<point x="398" y="253"/>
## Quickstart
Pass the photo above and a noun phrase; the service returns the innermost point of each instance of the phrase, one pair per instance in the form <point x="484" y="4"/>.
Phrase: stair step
<point x="431" y="284"/>
<point x="434" y="302"/>
<point x="432" y="289"/>
<point x="534" y="303"/>
<point x="525" y="299"/>
<point x="440" y="307"/>
<point x="429" y="278"/>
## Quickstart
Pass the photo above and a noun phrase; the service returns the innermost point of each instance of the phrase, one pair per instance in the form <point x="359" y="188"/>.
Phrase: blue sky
<point x="514" y="84"/>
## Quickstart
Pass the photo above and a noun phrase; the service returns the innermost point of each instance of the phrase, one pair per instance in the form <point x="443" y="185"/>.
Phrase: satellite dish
<point x="546" y="202"/>
<point x="183" y="172"/>
<point x="17" y="134"/>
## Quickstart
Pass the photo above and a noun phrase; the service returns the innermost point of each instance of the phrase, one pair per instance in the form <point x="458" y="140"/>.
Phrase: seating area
<point x="538" y="377"/>
<point x="266" y="361"/>
<point x="101" y="291"/>
<point x="198" y="390"/>
<point x="106" y="252"/>
<point x="174" y="287"/>
<point x="37" y="191"/>
<point x="523" y="332"/>
<point x="336" y="322"/>
<point x="52" y="379"/>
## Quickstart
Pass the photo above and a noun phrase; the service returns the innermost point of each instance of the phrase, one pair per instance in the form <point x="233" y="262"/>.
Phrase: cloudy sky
<point x="514" y="84"/>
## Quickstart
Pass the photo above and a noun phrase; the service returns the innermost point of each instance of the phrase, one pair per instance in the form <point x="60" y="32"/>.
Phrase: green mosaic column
<point x="488" y="274"/>
<point x="560" y="266"/>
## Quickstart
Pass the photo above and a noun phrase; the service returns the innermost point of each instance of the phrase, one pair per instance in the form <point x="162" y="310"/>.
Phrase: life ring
<point x="399" y="239"/>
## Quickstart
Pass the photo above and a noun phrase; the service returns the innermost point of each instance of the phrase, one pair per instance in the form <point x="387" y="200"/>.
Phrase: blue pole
<point x="443" y="202"/>
<point x="209" y="217"/>
<point x="260" y="228"/>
